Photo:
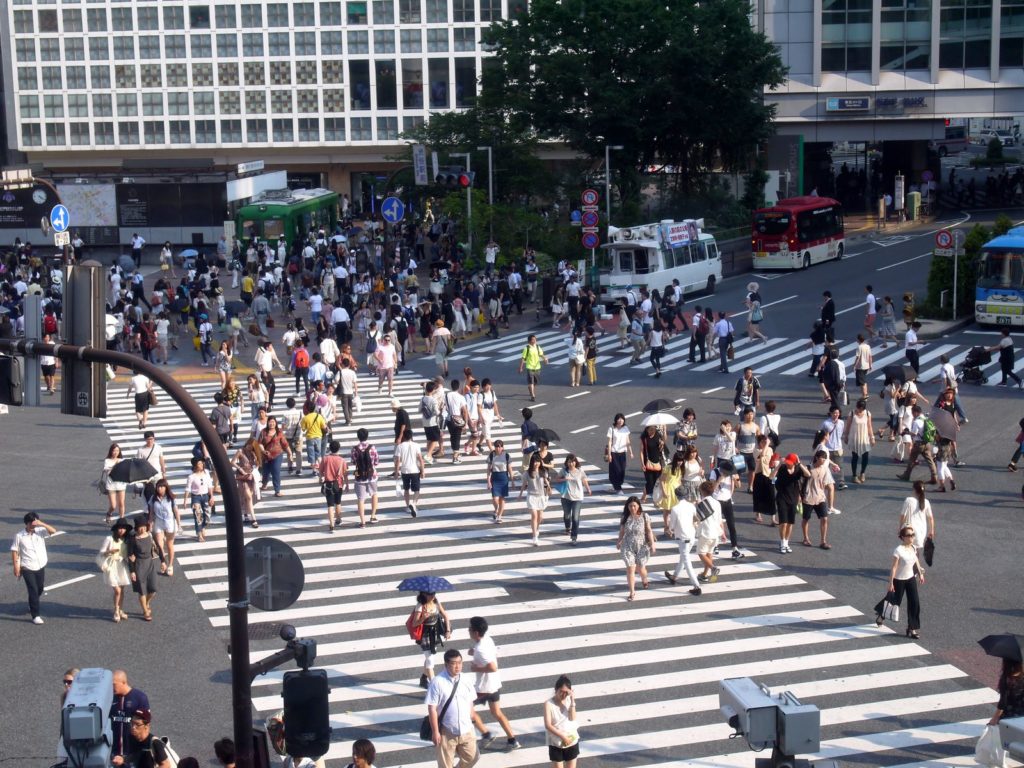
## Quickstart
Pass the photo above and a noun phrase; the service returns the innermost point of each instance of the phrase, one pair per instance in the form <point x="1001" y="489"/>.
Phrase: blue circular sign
<point x="393" y="210"/>
<point x="590" y="240"/>
<point x="590" y="219"/>
<point x="60" y="219"/>
<point x="575" y="216"/>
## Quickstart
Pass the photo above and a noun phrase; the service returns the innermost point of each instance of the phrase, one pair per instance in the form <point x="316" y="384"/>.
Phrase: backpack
<point x="147" y="338"/>
<point x="450" y="344"/>
<point x="301" y="358"/>
<point x="702" y="327"/>
<point x="49" y="324"/>
<point x="428" y="408"/>
<point x="363" y="463"/>
<point x="172" y="755"/>
<point x="929" y="432"/>
<point x="371" y="344"/>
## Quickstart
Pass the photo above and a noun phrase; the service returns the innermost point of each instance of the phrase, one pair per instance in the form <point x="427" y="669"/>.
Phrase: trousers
<point x="684" y="564"/>
<point x="35" y="582"/>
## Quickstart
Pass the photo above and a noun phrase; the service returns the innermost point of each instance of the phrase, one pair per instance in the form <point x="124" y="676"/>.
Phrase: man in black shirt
<point x="146" y="750"/>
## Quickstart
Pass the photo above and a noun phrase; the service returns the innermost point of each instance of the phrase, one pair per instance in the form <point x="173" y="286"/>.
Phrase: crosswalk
<point x="645" y="673"/>
<point x="779" y="356"/>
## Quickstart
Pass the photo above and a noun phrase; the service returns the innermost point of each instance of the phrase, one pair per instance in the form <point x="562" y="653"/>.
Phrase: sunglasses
<point x="907" y="535"/>
<point x="67" y="683"/>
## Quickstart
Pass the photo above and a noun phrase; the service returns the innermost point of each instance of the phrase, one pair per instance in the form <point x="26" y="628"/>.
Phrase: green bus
<point x="288" y="214"/>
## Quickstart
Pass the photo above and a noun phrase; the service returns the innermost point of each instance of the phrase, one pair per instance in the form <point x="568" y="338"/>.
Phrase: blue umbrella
<point x="189" y="253"/>
<point x="426" y="584"/>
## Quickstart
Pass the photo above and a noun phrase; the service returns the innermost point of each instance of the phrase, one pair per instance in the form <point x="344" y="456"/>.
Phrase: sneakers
<point x="412" y="510"/>
<point x="715" y="550"/>
<point x="702" y="578"/>
<point x="737" y="555"/>
<point x="696" y="592"/>
<point x="38" y="620"/>
<point x="714" y="575"/>
<point x="832" y="512"/>
<point x="670" y="577"/>
<point x="536" y="541"/>
<point x="514" y="744"/>
<point x="486" y="738"/>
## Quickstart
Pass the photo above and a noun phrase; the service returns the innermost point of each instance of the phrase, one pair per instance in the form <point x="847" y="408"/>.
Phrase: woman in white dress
<point x="114" y="489"/>
<point x="917" y="515"/>
<point x="560" y="724"/>
<point x="489" y="411"/>
<point x="114" y="553"/>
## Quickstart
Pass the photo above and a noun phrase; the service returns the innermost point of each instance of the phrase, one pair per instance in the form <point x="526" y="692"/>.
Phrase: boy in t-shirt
<point x="290" y="425"/>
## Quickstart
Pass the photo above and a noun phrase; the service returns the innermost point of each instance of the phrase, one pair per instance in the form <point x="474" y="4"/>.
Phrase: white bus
<point x="653" y="255"/>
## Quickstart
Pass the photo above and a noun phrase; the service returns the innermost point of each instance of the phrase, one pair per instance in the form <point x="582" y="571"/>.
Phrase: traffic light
<point x="307" y="720"/>
<point x="454" y="177"/>
<point x="466" y="179"/>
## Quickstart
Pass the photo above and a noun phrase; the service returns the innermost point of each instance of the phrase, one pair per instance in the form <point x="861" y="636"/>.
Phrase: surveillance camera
<point x="287" y="632"/>
<point x="1011" y="733"/>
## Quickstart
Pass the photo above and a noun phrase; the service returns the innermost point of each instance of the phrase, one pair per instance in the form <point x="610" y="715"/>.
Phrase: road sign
<point x="589" y="197"/>
<point x="419" y="164"/>
<point x="393" y="210"/>
<point x="959" y="237"/>
<point x="60" y="239"/>
<point x="590" y="240"/>
<point x="250" y="167"/>
<point x="943" y="251"/>
<point x="943" y="238"/>
<point x="82" y="399"/>
<point x="60" y="219"/>
<point x="589" y="229"/>
<point x="589" y="207"/>
<point x="590" y="219"/>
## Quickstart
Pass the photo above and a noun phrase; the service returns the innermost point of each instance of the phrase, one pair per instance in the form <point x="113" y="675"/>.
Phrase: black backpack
<point x="363" y="463"/>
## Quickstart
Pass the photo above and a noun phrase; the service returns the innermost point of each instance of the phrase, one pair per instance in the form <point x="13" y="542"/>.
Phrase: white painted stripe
<point x="584" y="429"/>
<point x="68" y="582"/>
<point x="679" y="400"/>
<point x="713" y="389"/>
<point x="905" y="261"/>
<point x="619" y="383"/>
<point x="577" y="394"/>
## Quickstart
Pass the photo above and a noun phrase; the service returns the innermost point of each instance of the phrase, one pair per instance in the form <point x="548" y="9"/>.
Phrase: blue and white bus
<point x="999" y="296"/>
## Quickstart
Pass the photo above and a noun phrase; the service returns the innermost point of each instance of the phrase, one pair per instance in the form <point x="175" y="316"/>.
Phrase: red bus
<point x="797" y="232"/>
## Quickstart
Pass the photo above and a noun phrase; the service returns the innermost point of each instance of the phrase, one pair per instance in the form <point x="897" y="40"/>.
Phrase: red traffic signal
<point x="466" y="179"/>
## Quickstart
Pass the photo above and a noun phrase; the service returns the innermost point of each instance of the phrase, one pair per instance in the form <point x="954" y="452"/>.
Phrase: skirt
<point x="536" y="502"/>
<point x="145" y="577"/>
<point x="117" y="574"/>
<point x="499" y="485"/>
<point x="141" y="402"/>
<point x="764" y="495"/>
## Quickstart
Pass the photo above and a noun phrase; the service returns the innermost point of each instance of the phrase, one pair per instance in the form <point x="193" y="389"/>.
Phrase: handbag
<point x="756" y="316"/>
<point x="415" y="632"/>
<point x="989" y="749"/>
<point x="152" y="399"/>
<point x="426" y="732"/>
<point x="890" y="609"/>
<point x="730" y="352"/>
<point x="929" y="550"/>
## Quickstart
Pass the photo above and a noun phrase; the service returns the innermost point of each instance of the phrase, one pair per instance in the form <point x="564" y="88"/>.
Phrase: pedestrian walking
<point x="165" y="522"/>
<point x="143" y="551"/>
<point x="499" y="477"/>
<point x="489" y="411"/>
<point x="113" y="489"/>
<point x="275" y="447"/>
<point x="917" y="515"/>
<point x="222" y="362"/>
<point x="484" y="662"/>
<point x="818" y="498"/>
<point x="860" y="437"/>
<point x="458" y="419"/>
<point x="755" y="314"/>
<point x="887" y="322"/>
<point x="537" y="486"/>
<point x="1006" y="358"/>
<point x="113" y="558"/>
<point x="710" y="530"/>
<point x="441" y="345"/>
<point x="575" y="486"/>
<point x="816" y="342"/>
<point x="725" y="477"/>
<point x="591" y="344"/>
<point x="29" y="557"/>
<point x="724" y="331"/>
<point x="862" y="364"/>
<point x="313" y="427"/>
<point x="411" y="469"/>
<point x="904" y="576"/>
<point x="700" y="327"/>
<point x="333" y="473"/>
<point x="386" y="357"/>
<point x="828" y="316"/>
<point x="199" y="495"/>
<point x="652" y="458"/>
<point x="1011" y="691"/>
<point x="246" y="463"/>
<point x="364" y="460"/>
<point x="636" y="542"/>
<point x="452" y="726"/>
<point x="637" y="338"/>
<point x="787" y="476"/>
<point x="683" y="525"/>
<point x="577" y="358"/>
<point x="922" y="435"/>
<point x="870" y="312"/>
<point x="530" y="361"/>
<point x="560" y="723"/>
<point x="763" y="491"/>
<point x="618" y="448"/>
<point x="142" y="387"/>
<point x="912" y="346"/>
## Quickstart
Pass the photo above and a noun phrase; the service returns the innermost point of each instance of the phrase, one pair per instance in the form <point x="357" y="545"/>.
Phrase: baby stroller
<point x="970" y="369"/>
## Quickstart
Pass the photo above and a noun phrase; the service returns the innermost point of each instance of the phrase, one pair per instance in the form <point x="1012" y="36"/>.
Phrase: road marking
<point x="619" y="383"/>
<point x="862" y="305"/>
<point x="59" y="584"/>
<point x="680" y="400"/>
<point x="985" y="333"/>
<point x="745" y="311"/>
<point x="583" y="429"/>
<point x="631" y="415"/>
<point x="578" y="394"/>
<point x="709" y="391"/>
<point x="536" y="405"/>
<point x="905" y="261"/>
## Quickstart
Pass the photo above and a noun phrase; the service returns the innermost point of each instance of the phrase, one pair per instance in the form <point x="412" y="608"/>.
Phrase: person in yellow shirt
<point x="313" y="427"/>
<point x="247" y="288"/>
<point x="530" y="361"/>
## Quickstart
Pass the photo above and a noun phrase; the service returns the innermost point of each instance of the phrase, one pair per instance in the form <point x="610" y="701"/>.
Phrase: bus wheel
<point x="839" y="252"/>
<point x="807" y="260"/>
<point x="711" y="284"/>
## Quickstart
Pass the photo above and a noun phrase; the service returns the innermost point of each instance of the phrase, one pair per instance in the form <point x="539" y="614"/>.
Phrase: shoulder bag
<point x="426" y="732"/>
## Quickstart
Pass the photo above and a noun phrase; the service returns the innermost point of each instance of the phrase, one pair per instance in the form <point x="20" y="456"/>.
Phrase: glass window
<point x="226" y="19"/>
<point x="23" y="22"/>
<point x="27" y="79"/>
<point x="149" y="46"/>
<point x="358" y="42"/>
<point x="437" y="11"/>
<point x="330" y="14"/>
<point x="387" y="84"/>
<point x="362" y="129"/>
<point x="412" y="84"/>
<point x="49" y="49"/>
<point x="359" y="83"/>
<point x="177" y="75"/>
<point x="383" y="41"/>
<point x="280" y="101"/>
<point x="905" y="34"/>
<point x="72" y="20"/>
<point x="1011" y="45"/>
<point x="174" y="47"/>
<point x="98" y="48"/>
<point x="124" y="48"/>
<point x="28" y="105"/>
<point x="97" y="18"/>
<point x="227" y="74"/>
<point x="309" y="129"/>
<point x="202" y="103"/>
<point x="383" y="11"/>
<point x="181" y="132"/>
<point x="252" y="45"/>
<point x="252" y="16"/>
<point x="256" y="102"/>
<point x="99" y="76"/>
<point x="48" y="20"/>
<point x="127" y="105"/>
<point x="128" y="132"/>
<point x="79" y="134"/>
<point x="74" y="49"/>
<point x="121" y="19"/>
<point x="438" y="74"/>
<point x="355" y="11"/>
<point x="409" y="11"/>
<point x="174" y="17"/>
<point x="412" y="122"/>
<point x="277" y="15"/>
<point x="465" y="38"/>
<point x="55" y="135"/>
<point x="199" y="17"/>
<point x="411" y="40"/>
<point x="31" y="134"/>
<point x="465" y="82"/>
<point x="153" y="132"/>
<point x="387" y="129"/>
<point x="206" y="132"/>
<point x="283" y="129"/>
<point x="201" y="47"/>
<point x="490" y="10"/>
<point x="305" y="43"/>
<point x="330" y="43"/>
<point x="305" y="72"/>
<point x="280" y="73"/>
<point x="227" y="45"/>
<point x="102" y="105"/>
<point x="53" y="79"/>
<point x="437" y="40"/>
<point x="308" y="102"/>
<point x="255" y="74"/>
<point x="303" y="15"/>
<point x="124" y="75"/>
<point x="231" y="131"/>
<point x="334" y="100"/>
<point x="463" y="10"/>
<point x="846" y="36"/>
<point x="256" y="130"/>
<point x="965" y="31"/>
<point x="147" y="18"/>
<point x="103" y="132"/>
<point x="334" y="129"/>
<point x="177" y="103"/>
<point x="75" y="77"/>
<point x="25" y="50"/>
<point x="279" y="44"/>
<point x="152" y="104"/>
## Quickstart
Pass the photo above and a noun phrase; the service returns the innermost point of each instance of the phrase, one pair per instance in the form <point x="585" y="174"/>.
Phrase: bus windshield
<point x="772" y="222"/>
<point x="1001" y="269"/>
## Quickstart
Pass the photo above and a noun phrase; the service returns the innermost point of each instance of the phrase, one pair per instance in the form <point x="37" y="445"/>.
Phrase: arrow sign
<point x="60" y="219"/>
<point x="393" y="210"/>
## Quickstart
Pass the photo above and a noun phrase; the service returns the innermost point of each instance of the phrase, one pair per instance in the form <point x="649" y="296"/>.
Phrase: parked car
<point x="984" y="137"/>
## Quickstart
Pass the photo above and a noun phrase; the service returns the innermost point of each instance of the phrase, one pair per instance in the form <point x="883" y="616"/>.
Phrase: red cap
<point x="792" y="459"/>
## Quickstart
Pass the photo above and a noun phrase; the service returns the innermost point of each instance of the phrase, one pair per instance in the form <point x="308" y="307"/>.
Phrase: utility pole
<point x="469" y="203"/>
<point x="490" y="184"/>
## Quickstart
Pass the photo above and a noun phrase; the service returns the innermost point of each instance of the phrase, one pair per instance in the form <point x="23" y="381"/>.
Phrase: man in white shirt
<point x="490" y="256"/>
<point x="28" y="555"/>
<point x="725" y="477"/>
<point x="316" y="305"/>
<point x="317" y="373"/>
<point x="488" y="680"/>
<point x="409" y="464"/>
<point x="137" y="242"/>
<point x="870" y="310"/>
<point x="912" y="345"/>
<point x="682" y="523"/>
<point x="452" y="732"/>
<point x="153" y="453"/>
<point x="862" y="364"/>
<point x="710" y="529"/>
<point x="340" y="319"/>
<point x="329" y="352"/>
<point x="947" y="379"/>
<point x="724" y="331"/>
<point x="835" y="429"/>
<point x="348" y="389"/>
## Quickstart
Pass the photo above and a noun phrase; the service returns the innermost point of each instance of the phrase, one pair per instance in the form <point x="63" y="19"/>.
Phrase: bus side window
<point x="804" y="226"/>
<point x="681" y="255"/>
<point x="642" y="262"/>
<point x="697" y="252"/>
<point x="712" y="249"/>
<point x="626" y="261"/>
<point x="667" y="258"/>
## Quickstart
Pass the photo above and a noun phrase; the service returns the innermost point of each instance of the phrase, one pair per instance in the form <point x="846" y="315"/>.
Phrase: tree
<point x="677" y="84"/>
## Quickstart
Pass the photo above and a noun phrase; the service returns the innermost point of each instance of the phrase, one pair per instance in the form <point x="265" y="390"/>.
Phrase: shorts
<point x="821" y="510"/>
<point x="861" y="376"/>
<point x="536" y="502"/>
<point x="411" y="482"/>
<point x="869" y="321"/>
<point x="48" y="370"/>
<point x="748" y="460"/>
<point x="365" y="489"/>
<point x="332" y="492"/>
<point x="487" y="698"/>
<point x="164" y="526"/>
<point x="786" y="512"/>
<point x="142" y="402"/>
<point x="499" y="485"/>
<point x="561" y="754"/>
<point x="433" y="434"/>
<point x="706" y="546"/>
<point x="533" y="377"/>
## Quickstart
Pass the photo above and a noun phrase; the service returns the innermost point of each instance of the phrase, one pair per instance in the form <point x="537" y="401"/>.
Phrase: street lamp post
<point x="608" y="181"/>
<point x="490" y="184"/>
<point x="469" y="203"/>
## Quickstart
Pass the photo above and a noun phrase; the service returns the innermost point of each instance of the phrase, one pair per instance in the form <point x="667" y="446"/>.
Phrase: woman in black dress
<point x="1011" y="692"/>
<point x="652" y="458"/>
<point x="142" y="551"/>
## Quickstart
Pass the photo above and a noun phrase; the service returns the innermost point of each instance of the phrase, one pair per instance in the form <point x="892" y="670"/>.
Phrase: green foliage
<point x="1002" y="225"/>
<point x="994" y="150"/>
<point x="940" y="278"/>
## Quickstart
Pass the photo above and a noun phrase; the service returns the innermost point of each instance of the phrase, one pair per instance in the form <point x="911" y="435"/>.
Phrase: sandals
<point x="630" y="598"/>
<point x="806" y="543"/>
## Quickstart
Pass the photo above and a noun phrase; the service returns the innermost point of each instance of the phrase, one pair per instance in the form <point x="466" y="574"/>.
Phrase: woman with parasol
<point x="432" y="617"/>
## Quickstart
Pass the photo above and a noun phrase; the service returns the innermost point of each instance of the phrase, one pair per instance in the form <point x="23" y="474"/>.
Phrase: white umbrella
<point x="659" y="420"/>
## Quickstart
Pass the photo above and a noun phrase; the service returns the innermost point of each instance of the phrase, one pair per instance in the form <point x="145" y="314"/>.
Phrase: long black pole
<point x="238" y="593"/>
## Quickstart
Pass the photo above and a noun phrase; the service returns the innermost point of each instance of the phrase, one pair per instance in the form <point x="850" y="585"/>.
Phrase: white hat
<point x="752" y="286"/>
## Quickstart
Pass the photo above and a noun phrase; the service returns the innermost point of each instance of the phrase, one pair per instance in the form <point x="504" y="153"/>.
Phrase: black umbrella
<point x="133" y="471"/>
<point x="661" y="404"/>
<point x="1002" y="646"/>
<point x="235" y="307"/>
<point x="899" y="373"/>
<point x="547" y="435"/>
